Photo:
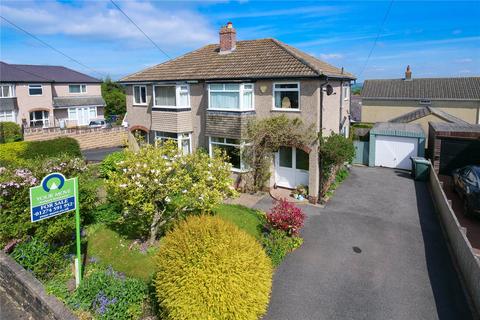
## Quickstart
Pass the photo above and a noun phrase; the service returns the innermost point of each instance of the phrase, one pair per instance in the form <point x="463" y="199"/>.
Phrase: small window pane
<point x="74" y="88"/>
<point x="139" y="94"/>
<point x="232" y="86"/>
<point x="185" y="146"/>
<point x="224" y="100"/>
<point x="216" y="139"/>
<point x="35" y="90"/>
<point x="285" y="157"/>
<point x="286" y="99"/>
<point x="248" y="86"/>
<point x="183" y="98"/>
<point x="233" y="154"/>
<point x="165" y="96"/>
<point x="93" y="112"/>
<point x="216" y="86"/>
<point x="286" y="86"/>
<point x="301" y="159"/>
<point x="247" y="100"/>
<point x="232" y="141"/>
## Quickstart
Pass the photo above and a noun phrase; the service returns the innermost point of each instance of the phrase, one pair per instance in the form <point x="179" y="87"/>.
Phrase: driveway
<point x="375" y="252"/>
<point x="97" y="155"/>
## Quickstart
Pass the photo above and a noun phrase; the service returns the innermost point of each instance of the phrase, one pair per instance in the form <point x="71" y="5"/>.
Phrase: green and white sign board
<point x="55" y="196"/>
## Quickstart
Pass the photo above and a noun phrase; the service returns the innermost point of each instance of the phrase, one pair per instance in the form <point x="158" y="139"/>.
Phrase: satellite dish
<point x="329" y="89"/>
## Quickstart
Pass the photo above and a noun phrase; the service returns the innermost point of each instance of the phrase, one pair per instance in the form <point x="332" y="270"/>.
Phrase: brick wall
<point x="88" y="138"/>
<point x="20" y="286"/>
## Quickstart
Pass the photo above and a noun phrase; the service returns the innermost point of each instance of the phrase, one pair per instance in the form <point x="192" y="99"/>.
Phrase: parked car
<point x="99" y="124"/>
<point x="466" y="182"/>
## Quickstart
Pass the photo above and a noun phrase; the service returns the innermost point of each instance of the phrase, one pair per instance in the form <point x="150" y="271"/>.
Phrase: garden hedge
<point x="18" y="153"/>
<point x="10" y="132"/>
<point x="208" y="268"/>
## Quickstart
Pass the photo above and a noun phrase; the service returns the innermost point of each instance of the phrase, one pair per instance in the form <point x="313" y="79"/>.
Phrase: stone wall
<point x="88" y="138"/>
<point x="467" y="262"/>
<point x="20" y="286"/>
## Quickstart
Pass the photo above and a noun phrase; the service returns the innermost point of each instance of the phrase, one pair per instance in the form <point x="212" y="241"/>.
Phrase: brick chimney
<point x="408" y="74"/>
<point x="228" y="38"/>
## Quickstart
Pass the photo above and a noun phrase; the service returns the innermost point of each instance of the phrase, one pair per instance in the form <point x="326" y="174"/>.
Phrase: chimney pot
<point x="228" y="38"/>
<point x="408" y="73"/>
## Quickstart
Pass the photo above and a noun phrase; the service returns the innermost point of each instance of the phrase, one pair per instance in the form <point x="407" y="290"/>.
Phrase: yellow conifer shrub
<point x="208" y="268"/>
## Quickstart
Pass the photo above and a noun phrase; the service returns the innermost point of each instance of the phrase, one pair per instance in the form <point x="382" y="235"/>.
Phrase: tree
<point x="159" y="185"/>
<point x="115" y="99"/>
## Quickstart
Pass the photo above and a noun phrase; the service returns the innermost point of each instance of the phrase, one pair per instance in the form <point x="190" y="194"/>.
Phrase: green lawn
<point x="111" y="249"/>
<point x="247" y="219"/>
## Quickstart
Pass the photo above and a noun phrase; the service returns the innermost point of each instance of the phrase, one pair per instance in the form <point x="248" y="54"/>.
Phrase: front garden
<point x="160" y="244"/>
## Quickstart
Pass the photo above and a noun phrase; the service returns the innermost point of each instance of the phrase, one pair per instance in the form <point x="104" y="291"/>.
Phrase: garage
<point x="453" y="146"/>
<point x="393" y="144"/>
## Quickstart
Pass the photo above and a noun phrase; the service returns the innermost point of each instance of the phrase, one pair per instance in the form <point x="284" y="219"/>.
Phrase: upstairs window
<point x="7" y="91"/>
<point x="139" y="95"/>
<point x="286" y="96"/>
<point x="231" y="96"/>
<point x="77" y="88"/>
<point x="171" y="96"/>
<point x="35" y="89"/>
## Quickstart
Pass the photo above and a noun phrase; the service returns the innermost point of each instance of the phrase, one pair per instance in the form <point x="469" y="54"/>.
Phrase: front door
<point x="291" y="167"/>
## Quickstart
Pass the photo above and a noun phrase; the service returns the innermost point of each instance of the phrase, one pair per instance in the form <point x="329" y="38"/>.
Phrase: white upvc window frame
<point x="11" y="90"/>
<point x="36" y="87"/>
<point x="241" y="146"/>
<point x="139" y="103"/>
<point x="178" y="90"/>
<point x="180" y="137"/>
<point x="346" y="91"/>
<point x="240" y="91"/>
<point x="12" y="115"/>
<point x="81" y="85"/>
<point x="75" y="118"/>
<point x="45" y="121"/>
<point x="286" y="89"/>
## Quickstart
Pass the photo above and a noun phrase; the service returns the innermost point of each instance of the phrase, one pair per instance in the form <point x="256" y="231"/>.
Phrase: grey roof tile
<point x="63" y="102"/>
<point x="467" y="88"/>
<point x="42" y="73"/>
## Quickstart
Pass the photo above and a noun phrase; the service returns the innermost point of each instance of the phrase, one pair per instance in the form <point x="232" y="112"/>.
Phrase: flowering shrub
<point x="109" y="295"/>
<point x="159" y="185"/>
<point x="285" y="216"/>
<point x="109" y="164"/>
<point x="14" y="200"/>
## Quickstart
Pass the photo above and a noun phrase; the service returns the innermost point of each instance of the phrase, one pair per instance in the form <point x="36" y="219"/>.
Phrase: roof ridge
<point x="295" y="55"/>
<point x="441" y="78"/>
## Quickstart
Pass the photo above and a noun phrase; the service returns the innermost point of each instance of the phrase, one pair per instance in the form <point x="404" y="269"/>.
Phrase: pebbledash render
<point x="205" y="98"/>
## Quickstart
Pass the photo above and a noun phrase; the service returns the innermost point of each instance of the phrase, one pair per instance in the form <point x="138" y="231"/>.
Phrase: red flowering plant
<point x="285" y="216"/>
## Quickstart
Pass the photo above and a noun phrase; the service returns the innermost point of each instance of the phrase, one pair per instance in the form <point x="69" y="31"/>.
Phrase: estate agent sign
<point x="54" y="196"/>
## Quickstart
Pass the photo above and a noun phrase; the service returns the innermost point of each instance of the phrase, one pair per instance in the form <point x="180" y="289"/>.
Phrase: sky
<point x="371" y="39"/>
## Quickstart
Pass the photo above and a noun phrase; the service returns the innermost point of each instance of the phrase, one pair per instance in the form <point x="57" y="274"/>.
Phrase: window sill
<point x="170" y="107"/>
<point x="239" y="170"/>
<point x="286" y="110"/>
<point x="231" y="110"/>
<point x="139" y="104"/>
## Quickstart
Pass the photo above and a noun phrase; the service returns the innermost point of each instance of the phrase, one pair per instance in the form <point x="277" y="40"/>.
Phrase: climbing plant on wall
<point x="265" y="136"/>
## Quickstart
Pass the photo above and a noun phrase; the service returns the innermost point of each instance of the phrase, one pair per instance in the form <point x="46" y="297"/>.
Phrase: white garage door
<point x="395" y="152"/>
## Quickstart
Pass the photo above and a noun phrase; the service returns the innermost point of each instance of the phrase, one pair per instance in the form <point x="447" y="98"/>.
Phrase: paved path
<point x="375" y="252"/>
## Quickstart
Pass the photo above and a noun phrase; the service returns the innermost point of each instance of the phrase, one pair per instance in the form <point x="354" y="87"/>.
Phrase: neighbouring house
<point x="422" y="100"/>
<point x="205" y="98"/>
<point x="48" y="96"/>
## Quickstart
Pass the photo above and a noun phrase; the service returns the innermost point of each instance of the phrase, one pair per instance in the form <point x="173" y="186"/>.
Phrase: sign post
<point x="55" y="196"/>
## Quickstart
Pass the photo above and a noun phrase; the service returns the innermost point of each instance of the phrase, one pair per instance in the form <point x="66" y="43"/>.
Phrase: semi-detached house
<point x="205" y="98"/>
<point x="48" y="96"/>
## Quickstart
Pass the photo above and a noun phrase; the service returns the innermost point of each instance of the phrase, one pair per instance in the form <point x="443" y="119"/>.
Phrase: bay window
<point x="35" y="89"/>
<point x="171" y="96"/>
<point x="77" y="88"/>
<point x="7" y="116"/>
<point x="7" y="91"/>
<point x="39" y="118"/>
<point x="82" y="115"/>
<point x="139" y="95"/>
<point x="286" y="96"/>
<point x="230" y="96"/>
<point x="183" y="139"/>
<point x="232" y="148"/>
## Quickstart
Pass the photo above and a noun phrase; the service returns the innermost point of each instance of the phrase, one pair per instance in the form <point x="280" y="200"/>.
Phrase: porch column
<point x="314" y="174"/>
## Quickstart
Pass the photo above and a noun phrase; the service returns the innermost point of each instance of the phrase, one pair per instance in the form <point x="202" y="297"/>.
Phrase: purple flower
<point x="101" y="302"/>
